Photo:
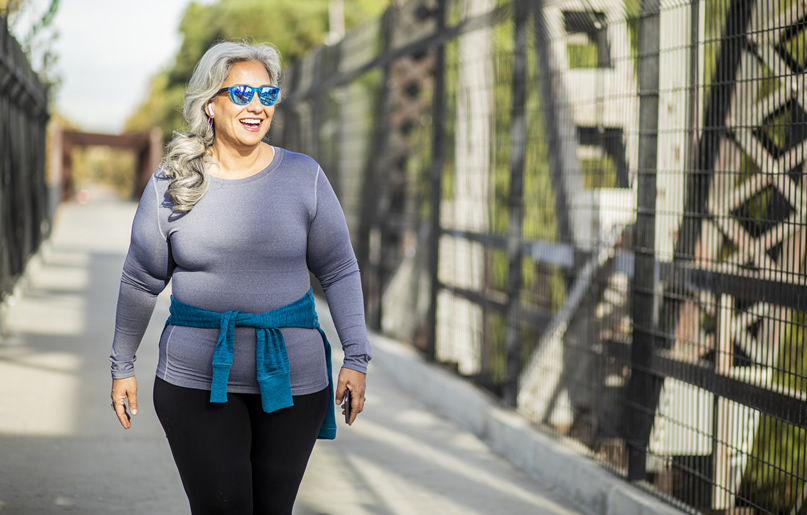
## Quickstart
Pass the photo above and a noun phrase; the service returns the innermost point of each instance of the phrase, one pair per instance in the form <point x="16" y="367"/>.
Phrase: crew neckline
<point x="273" y="164"/>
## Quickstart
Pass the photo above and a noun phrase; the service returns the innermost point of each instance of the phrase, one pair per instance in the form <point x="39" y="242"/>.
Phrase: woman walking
<point x="243" y="385"/>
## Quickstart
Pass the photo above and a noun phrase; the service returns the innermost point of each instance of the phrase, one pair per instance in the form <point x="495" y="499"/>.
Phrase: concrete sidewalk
<point x="62" y="449"/>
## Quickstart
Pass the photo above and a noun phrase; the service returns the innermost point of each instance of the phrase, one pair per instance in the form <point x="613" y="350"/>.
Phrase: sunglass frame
<point x="249" y="92"/>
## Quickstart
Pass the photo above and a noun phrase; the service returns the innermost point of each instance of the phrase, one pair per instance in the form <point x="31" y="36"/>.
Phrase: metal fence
<point x="597" y="211"/>
<point x="24" y="206"/>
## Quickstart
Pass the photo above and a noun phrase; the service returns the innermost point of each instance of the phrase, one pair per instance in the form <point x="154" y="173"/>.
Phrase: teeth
<point x="251" y="121"/>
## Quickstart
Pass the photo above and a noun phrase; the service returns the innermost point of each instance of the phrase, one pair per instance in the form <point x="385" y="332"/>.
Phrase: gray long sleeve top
<point x="247" y="245"/>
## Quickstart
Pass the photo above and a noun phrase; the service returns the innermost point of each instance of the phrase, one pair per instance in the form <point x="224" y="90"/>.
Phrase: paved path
<point x="62" y="450"/>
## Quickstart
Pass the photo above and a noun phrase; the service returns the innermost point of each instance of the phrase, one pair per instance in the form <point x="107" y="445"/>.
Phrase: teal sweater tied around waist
<point x="271" y="358"/>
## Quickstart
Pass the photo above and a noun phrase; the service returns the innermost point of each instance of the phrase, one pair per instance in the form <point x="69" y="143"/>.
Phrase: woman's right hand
<point x="123" y="389"/>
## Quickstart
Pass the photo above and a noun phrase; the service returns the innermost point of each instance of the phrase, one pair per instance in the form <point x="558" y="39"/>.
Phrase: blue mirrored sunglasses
<point x="241" y="94"/>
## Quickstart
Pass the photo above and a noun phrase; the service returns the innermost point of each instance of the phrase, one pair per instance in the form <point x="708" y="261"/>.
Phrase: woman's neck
<point x="235" y="163"/>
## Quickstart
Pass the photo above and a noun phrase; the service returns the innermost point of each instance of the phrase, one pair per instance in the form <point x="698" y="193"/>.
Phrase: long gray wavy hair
<point x="186" y="156"/>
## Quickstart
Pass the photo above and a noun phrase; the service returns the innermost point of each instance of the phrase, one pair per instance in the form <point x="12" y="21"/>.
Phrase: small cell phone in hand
<point x="346" y="405"/>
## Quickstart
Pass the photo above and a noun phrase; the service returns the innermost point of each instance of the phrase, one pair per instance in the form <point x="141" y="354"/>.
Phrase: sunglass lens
<point x="241" y="95"/>
<point x="268" y="95"/>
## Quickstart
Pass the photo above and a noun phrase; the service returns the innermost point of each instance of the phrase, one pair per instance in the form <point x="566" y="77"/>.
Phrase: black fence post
<point x="289" y="134"/>
<point x="438" y="156"/>
<point x="368" y="248"/>
<point x="518" y="143"/>
<point x="642" y="387"/>
<point x="716" y="108"/>
<point x="548" y="84"/>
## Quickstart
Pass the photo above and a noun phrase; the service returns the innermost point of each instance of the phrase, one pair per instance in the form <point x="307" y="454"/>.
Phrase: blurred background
<point x="593" y="209"/>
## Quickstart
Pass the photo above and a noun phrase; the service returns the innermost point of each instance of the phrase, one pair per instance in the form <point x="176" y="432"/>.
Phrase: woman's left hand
<point x="354" y="381"/>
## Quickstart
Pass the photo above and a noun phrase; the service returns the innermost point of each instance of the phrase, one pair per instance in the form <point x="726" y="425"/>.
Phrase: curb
<point x="555" y="461"/>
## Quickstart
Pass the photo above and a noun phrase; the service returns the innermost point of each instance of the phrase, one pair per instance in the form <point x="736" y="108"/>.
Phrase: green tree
<point x="291" y="26"/>
<point x="36" y="35"/>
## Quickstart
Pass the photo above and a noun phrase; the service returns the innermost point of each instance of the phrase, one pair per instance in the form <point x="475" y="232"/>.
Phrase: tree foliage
<point x="33" y="28"/>
<point x="294" y="27"/>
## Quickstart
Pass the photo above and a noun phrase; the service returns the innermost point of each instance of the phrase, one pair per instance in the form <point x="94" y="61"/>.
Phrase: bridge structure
<point x="578" y="218"/>
<point x="145" y="145"/>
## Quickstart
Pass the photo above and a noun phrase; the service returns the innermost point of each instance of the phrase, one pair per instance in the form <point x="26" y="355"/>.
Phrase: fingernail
<point x="134" y="411"/>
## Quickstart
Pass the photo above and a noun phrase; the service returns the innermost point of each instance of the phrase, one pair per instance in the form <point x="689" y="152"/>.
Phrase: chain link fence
<point x="24" y="202"/>
<point x="595" y="210"/>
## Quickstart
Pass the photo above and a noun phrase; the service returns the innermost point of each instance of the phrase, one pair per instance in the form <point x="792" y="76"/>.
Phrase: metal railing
<point x="24" y="204"/>
<point x="594" y="209"/>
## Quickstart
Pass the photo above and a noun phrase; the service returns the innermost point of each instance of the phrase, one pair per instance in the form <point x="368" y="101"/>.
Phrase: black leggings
<point x="233" y="458"/>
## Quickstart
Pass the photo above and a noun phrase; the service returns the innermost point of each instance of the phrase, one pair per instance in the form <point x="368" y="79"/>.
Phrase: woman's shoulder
<point x="298" y="162"/>
<point x="159" y="181"/>
<point x="160" y="175"/>
<point x="157" y="188"/>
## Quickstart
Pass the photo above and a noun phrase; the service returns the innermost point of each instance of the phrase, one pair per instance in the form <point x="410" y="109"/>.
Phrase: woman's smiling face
<point x="242" y="125"/>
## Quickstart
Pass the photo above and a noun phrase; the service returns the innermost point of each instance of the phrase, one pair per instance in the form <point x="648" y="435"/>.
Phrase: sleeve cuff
<point x="122" y="370"/>
<point x="358" y="363"/>
<point x="122" y="375"/>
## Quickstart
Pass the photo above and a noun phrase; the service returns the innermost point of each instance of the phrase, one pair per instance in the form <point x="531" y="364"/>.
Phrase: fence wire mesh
<point x="595" y="209"/>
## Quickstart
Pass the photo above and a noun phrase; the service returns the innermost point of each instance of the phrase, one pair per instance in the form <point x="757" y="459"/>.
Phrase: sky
<point x="108" y="52"/>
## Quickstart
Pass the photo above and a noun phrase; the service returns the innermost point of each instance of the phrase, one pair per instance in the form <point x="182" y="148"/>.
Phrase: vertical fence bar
<point x="548" y="83"/>
<point x="518" y="140"/>
<point x="369" y="253"/>
<point x="6" y="235"/>
<point x="316" y="103"/>
<point x="437" y="162"/>
<point x="642" y="387"/>
<point x="291" y="127"/>
<point x="721" y="89"/>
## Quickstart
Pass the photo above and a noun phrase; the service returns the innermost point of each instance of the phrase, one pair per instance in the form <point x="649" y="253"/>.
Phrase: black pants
<point x="233" y="458"/>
